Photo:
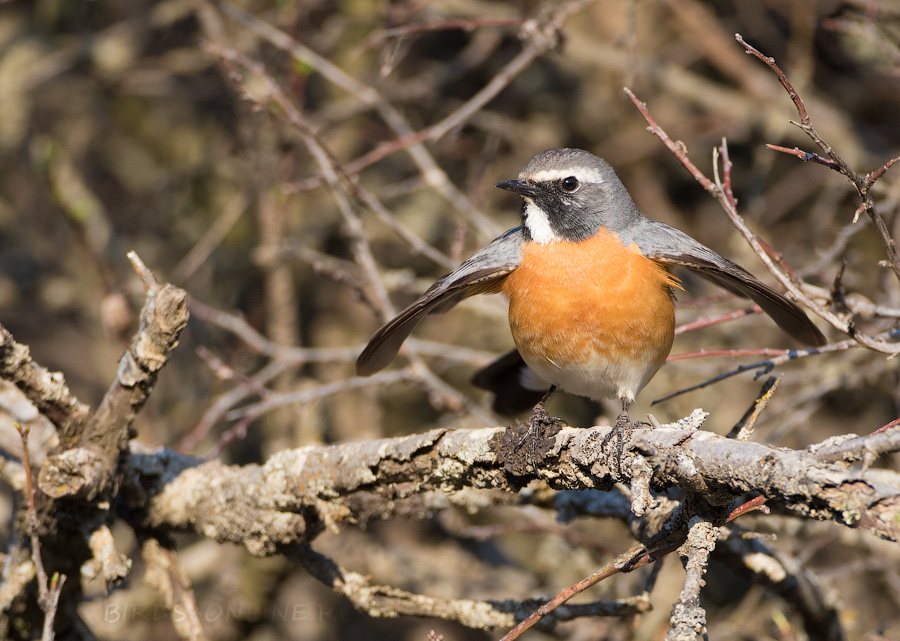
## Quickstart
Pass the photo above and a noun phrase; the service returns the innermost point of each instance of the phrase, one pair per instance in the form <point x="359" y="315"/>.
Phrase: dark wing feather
<point x="668" y="246"/>
<point x="482" y="273"/>
<point x="503" y="378"/>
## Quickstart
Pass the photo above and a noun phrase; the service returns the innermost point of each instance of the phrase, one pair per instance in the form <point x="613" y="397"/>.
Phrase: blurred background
<point x="121" y="128"/>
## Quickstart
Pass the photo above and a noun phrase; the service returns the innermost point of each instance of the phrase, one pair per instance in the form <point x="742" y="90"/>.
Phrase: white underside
<point x="597" y="379"/>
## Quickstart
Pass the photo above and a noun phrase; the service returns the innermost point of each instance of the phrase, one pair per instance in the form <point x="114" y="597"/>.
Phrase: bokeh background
<point x="121" y="129"/>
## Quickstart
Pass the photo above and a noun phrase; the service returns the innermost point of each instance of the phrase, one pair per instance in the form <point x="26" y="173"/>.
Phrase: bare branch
<point x="688" y="620"/>
<point x="296" y="493"/>
<point x="164" y="573"/>
<point x="428" y="167"/>
<point x="88" y="462"/>
<point x="861" y="183"/>
<point x="785" y="279"/>
<point x="46" y="390"/>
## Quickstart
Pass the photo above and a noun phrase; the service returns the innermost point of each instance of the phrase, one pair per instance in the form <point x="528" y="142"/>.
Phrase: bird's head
<point x="570" y="194"/>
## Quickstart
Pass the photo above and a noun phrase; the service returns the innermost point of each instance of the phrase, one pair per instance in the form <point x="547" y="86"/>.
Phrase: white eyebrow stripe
<point x="538" y="224"/>
<point x="584" y="174"/>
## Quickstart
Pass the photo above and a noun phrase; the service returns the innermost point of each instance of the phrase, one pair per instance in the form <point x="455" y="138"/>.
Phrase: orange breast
<point x="594" y="304"/>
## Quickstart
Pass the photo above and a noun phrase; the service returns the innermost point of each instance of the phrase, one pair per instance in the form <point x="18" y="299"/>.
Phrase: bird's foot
<point x="621" y="432"/>
<point x="624" y="427"/>
<point x="526" y="445"/>
<point x="540" y="420"/>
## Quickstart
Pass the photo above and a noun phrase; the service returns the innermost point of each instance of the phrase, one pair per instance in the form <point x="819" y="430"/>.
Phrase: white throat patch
<point x="538" y="224"/>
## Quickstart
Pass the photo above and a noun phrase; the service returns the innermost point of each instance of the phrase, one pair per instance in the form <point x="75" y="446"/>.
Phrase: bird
<point x="591" y="295"/>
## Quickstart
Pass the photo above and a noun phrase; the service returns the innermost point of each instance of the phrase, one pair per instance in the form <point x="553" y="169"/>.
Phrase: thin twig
<point x="43" y="590"/>
<point x="758" y="503"/>
<point x="48" y="591"/>
<point x="805" y="156"/>
<point x="318" y="392"/>
<point x="368" y="95"/>
<point x="56" y="586"/>
<point x="861" y="183"/>
<point x="794" y="288"/>
<point x="885" y="428"/>
<point x="440" y="393"/>
<point x="633" y="558"/>
<point x="715" y="320"/>
<point x="539" y="34"/>
<point x="458" y="24"/>
<point x="787" y="355"/>
<point x="668" y="540"/>
<point x="731" y="353"/>
<point x="148" y="278"/>
<point x="768" y="391"/>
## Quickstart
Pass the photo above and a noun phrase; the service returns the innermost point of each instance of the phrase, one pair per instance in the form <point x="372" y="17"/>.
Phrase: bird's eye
<point x="570" y="184"/>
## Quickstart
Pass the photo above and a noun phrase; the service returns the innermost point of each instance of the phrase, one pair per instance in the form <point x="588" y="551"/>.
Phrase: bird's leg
<point x="623" y="431"/>
<point x="539" y="420"/>
<point x="539" y="415"/>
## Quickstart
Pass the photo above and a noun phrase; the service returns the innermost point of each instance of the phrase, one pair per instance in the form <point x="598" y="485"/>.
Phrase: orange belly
<point x="593" y="317"/>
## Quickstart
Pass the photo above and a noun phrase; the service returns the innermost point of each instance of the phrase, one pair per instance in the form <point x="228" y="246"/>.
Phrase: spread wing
<point x="668" y="246"/>
<point x="481" y="274"/>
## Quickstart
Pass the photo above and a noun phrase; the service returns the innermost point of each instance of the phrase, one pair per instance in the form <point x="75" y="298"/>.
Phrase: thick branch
<point x="46" y="390"/>
<point x="688" y="619"/>
<point x="297" y="493"/>
<point x="88" y="460"/>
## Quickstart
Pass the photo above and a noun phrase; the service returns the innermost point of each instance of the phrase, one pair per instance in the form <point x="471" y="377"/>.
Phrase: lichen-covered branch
<point x="88" y="458"/>
<point x="297" y="493"/>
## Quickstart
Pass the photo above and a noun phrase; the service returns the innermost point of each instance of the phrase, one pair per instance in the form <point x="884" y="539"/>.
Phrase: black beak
<point x="519" y="187"/>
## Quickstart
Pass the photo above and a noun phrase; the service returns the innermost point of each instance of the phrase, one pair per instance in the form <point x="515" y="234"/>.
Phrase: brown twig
<point x="794" y="288"/>
<point x="48" y="590"/>
<point x="236" y="432"/>
<point x="317" y="392"/>
<point x="677" y="148"/>
<point x="861" y="183"/>
<point x="290" y="355"/>
<point x="778" y="257"/>
<point x="539" y="34"/>
<point x="440" y="393"/>
<point x="885" y="428"/>
<point x="727" y="189"/>
<point x="43" y="592"/>
<point x="226" y="401"/>
<point x="632" y="559"/>
<point x="369" y="96"/>
<point x="805" y="156"/>
<point x="732" y="353"/>
<point x="715" y="320"/>
<point x="758" y="503"/>
<point x="781" y="357"/>
<point x="872" y="176"/>
<point x="672" y="536"/>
